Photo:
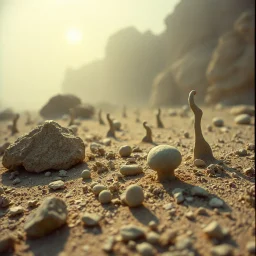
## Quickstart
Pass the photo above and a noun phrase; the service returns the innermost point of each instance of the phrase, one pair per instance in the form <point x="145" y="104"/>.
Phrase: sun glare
<point x="74" y="36"/>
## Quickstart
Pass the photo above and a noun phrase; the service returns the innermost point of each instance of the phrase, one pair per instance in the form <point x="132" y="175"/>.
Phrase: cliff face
<point x="231" y="71"/>
<point x="191" y="36"/>
<point x="142" y="67"/>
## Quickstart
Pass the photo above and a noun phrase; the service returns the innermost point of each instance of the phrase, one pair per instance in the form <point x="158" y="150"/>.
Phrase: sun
<point x="74" y="36"/>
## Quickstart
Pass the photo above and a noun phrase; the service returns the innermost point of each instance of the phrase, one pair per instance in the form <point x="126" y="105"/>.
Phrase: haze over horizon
<point x="40" y="39"/>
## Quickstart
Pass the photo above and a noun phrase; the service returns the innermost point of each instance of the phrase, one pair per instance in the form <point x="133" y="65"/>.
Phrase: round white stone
<point x="105" y="196"/>
<point x="164" y="158"/>
<point x="134" y="196"/>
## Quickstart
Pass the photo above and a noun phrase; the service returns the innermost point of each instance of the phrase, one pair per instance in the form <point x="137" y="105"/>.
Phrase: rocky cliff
<point x="161" y="69"/>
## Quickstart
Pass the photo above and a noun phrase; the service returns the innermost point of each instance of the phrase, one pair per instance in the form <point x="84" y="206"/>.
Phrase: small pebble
<point x="214" y="230"/>
<point x="243" y="119"/>
<point x="105" y="197"/>
<point x="216" y="202"/>
<point x="109" y="244"/>
<point x="131" y="232"/>
<point x="133" y="196"/>
<point x="179" y="198"/>
<point x="130" y="170"/>
<point x="218" y="122"/>
<point x="16" y="181"/>
<point x="198" y="191"/>
<point x="199" y="163"/>
<point x="153" y="237"/>
<point x="98" y="188"/>
<point x="86" y="174"/>
<point x="47" y="174"/>
<point x="125" y="151"/>
<point x="222" y="250"/>
<point x="16" y="210"/>
<point x="62" y="173"/>
<point x="145" y="249"/>
<point x="56" y="185"/>
<point x="91" y="219"/>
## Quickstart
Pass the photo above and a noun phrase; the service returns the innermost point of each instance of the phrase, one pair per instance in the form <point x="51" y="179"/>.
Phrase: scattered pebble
<point x="145" y="249"/>
<point x="16" y="210"/>
<point x="106" y="141"/>
<point x="91" y="219"/>
<point x="214" y="230"/>
<point x="16" y="181"/>
<point x="218" y="122"/>
<point x="105" y="197"/>
<point x="49" y="216"/>
<point x="152" y="237"/>
<point x="216" y="202"/>
<point x="243" y="119"/>
<point x="179" y="198"/>
<point x="47" y="174"/>
<point x="109" y="244"/>
<point x="133" y="196"/>
<point x="131" y="232"/>
<point x="62" y="173"/>
<point x="190" y="215"/>
<point x="199" y="163"/>
<point x="98" y="188"/>
<point x="59" y="184"/>
<point x="125" y="151"/>
<point x="222" y="250"/>
<point x="86" y="174"/>
<point x="130" y="170"/>
<point x="198" y="191"/>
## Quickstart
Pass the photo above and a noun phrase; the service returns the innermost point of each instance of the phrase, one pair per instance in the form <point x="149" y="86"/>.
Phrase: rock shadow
<point x="30" y="179"/>
<point x="198" y="201"/>
<point x="143" y="215"/>
<point x="44" y="245"/>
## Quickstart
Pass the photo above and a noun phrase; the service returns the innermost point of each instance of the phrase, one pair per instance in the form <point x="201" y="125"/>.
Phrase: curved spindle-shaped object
<point x="100" y="118"/>
<point x="28" y="121"/>
<point x="111" y="131"/>
<point x="148" y="137"/>
<point x="72" y="116"/>
<point x="202" y="149"/>
<point x="14" y="128"/>
<point x="158" y="119"/>
<point x="124" y="112"/>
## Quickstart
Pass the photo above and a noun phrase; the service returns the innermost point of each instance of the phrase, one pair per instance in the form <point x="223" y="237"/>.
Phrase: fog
<point x="134" y="53"/>
<point x="40" y="39"/>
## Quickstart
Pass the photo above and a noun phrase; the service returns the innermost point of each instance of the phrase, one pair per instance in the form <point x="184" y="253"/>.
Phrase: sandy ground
<point x="237" y="214"/>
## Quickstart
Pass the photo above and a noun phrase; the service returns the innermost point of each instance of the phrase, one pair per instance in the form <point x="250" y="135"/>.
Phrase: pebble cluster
<point x="136" y="183"/>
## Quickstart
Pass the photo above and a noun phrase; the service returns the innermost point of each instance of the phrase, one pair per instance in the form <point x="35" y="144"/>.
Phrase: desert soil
<point x="231" y="185"/>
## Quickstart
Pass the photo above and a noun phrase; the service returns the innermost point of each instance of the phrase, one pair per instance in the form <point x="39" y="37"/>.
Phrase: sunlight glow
<point x="74" y="36"/>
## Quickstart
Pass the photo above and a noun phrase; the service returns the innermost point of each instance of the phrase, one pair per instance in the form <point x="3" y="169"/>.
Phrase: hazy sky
<point x="39" y="39"/>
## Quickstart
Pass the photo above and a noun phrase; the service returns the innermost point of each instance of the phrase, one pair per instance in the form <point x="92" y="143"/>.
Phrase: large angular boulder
<point x="59" y="105"/>
<point x="48" y="146"/>
<point x="49" y="216"/>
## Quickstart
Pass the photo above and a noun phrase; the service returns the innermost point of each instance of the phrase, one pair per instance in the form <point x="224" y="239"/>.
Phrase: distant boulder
<point x="6" y="114"/>
<point x="84" y="111"/>
<point x="59" y="105"/>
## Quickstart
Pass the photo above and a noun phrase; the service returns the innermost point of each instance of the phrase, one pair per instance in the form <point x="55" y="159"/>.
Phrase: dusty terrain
<point x="231" y="185"/>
